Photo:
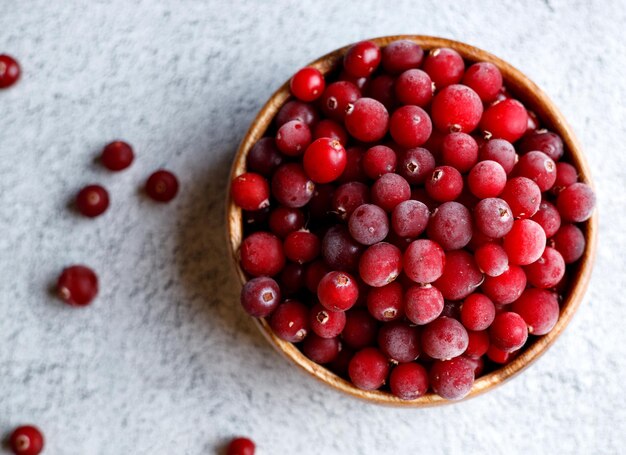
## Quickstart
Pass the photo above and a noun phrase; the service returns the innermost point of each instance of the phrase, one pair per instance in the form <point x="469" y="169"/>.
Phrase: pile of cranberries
<point x="407" y="223"/>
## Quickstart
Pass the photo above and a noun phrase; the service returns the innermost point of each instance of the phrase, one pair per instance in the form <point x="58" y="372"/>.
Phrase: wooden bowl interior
<point x="550" y="117"/>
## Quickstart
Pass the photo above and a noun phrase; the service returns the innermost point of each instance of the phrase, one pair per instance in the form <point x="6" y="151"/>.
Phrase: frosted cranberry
<point x="337" y="291"/>
<point x="354" y="168"/>
<point x="290" y="321"/>
<point x="260" y="296"/>
<point x="340" y="250"/>
<point x="399" y="341"/>
<point x="293" y="138"/>
<point x="241" y="446"/>
<point x="445" y="184"/>
<point x="336" y="99"/>
<point x="162" y="186"/>
<point x="548" y="218"/>
<point x="523" y="196"/>
<point x="423" y="304"/>
<point x="321" y="350"/>
<point x="444" y="66"/>
<point x="450" y="226"/>
<point x="362" y="58"/>
<point x="368" y="369"/>
<point x="367" y="120"/>
<point x="416" y="165"/>
<point x="566" y="175"/>
<point x="401" y="55"/>
<point x="307" y="84"/>
<point x="360" y="329"/>
<point x="493" y="217"/>
<point x="92" y="200"/>
<point x="77" y="285"/>
<point x="284" y="220"/>
<point x="456" y="108"/>
<point x="291" y="279"/>
<point x="538" y="167"/>
<point x="444" y="338"/>
<point x="291" y="186"/>
<point x="500" y="151"/>
<point x="264" y="157"/>
<point x="409" y="218"/>
<point x="410" y="126"/>
<point x="461" y="276"/>
<point x="460" y="151"/>
<point x="386" y="303"/>
<point x="297" y="110"/>
<point x="539" y="309"/>
<point x="302" y="246"/>
<point x="414" y="87"/>
<point x="491" y="258"/>
<point x="505" y="288"/>
<point x="505" y="120"/>
<point x="381" y="89"/>
<point x="486" y="179"/>
<point x="452" y="379"/>
<point x="348" y="197"/>
<point x="408" y="381"/>
<point x="485" y="79"/>
<point x="326" y="323"/>
<point x="508" y="331"/>
<point x="569" y="240"/>
<point x="332" y="130"/>
<point x="368" y="224"/>
<point x="499" y="356"/>
<point x="324" y="160"/>
<point x="525" y="242"/>
<point x="262" y="254"/>
<point x="547" y="271"/>
<point x="424" y="261"/>
<point x="379" y="160"/>
<point x="389" y="191"/>
<point x="478" y="343"/>
<point x="576" y="203"/>
<point x="380" y="264"/>
<point x="26" y="439"/>
<point x="477" y="312"/>
<point x="250" y="191"/>
<point x="543" y="141"/>
<point x="117" y="155"/>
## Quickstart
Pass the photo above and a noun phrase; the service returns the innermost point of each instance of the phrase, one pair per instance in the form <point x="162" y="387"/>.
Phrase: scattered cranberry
<point x="250" y="191"/>
<point x="9" y="71"/>
<point x="307" y="84"/>
<point x="241" y="446"/>
<point x="92" y="200"/>
<point x="117" y="155"/>
<point x="162" y="186"/>
<point x="77" y="285"/>
<point x="27" y="439"/>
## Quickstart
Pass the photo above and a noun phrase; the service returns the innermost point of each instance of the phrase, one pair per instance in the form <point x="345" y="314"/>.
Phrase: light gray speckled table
<point x="165" y="362"/>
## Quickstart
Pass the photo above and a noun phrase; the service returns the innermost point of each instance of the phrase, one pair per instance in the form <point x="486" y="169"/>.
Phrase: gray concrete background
<point x="164" y="361"/>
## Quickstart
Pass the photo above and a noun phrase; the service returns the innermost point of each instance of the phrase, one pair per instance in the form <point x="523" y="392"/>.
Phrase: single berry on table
<point x="92" y="200"/>
<point x="77" y="285"/>
<point x="162" y="186"/>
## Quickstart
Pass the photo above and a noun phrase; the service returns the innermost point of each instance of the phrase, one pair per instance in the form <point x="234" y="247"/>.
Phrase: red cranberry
<point x="380" y="264"/>
<point x="477" y="312"/>
<point x="505" y="120"/>
<point x="386" y="303"/>
<point x="389" y="191"/>
<point x="416" y="165"/>
<point x="444" y="66"/>
<point x="241" y="446"/>
<point x="360" y="329"/>
<point x="444" y="338"/>
<point x="9" y="71"/>
<point x="291" y="279"/>
<point x="27" y="439"/>
<point x="478" y="344"/>
<point x="486" y="179"/>
<point x="297" y="110"/>
<point x="262" y="254"/>
<point x="307" y="84"/>
<point x="92" y="200"/>
<point x="539" y="309"/>
<point x="576" y="203"/>
<point x="547" y="271"/>
<point x="505" y="288"/>
<point x="424" y="261"/>
<point x="566" y="175"/>
<point x="543" y="141"/>
<point x="260" y="296"/>
<point x="336" y="99"/>
<point x="409" y="218"/>
<point x="324" y="160"/>
<point x="264" y="157"/>
<point x="291" y="186"/>
<point x="460" y="151"/>
<point x="450" y="226"/>
<point x="368" y="224"/>
<point x="362" y="59"/>
<point x="445" y="184"/>
<point x="354" y="169"/>
<point x="548" y="218"/>
<point x="321" y="350"/>
<point x="492" y="259"/>
<point x="538" y="167"/>
<point x="414" y="87"/>
<point x="250" y="191"/>
<point x="348" y="197"/>
<point x="284" y="220"/>
<point x="379" y="160"/>
<point x="117" y="155"/>
<point x="461" y="276"/>
<point x="368" y="369"/>
<point x="499" y="356"/>
<point x="337" y="291"/>
<point x="381" y="89"/>
<point x="408" y="381"/>
<point x="162" y="186"/>
<point x="523" y="197"/>
<point x="302" y="246"/>
<point x="77" y="285"/>
<point x="340" y="250"/>
<point x="290" y="321"/>
<point x="331" y="129"/>
<point x="570" y="242"/>
<point x="326" y="323"/>
<point x="452" y="379"/>
<point x="410" y="126"/>
<point x="293" y="138"/>
<point x="367" y="120"/>
<point x="456" y="108"/>
<point x="399" y="341"/>
<point x="401" y="55"/>
<point x="500" y="151"/>
<point x="485" y="79"/>
<point x="423" y="304"/>
<point x="525" y="242"/>
<point x="508" y="332"/>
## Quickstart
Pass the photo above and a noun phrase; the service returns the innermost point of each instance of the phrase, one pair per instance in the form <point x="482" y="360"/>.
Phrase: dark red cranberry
<point x="380" y="264"/>
<point x="478" y="344"/>
<point x="445" y="184"/>
<point x="117" y="155"/>
<point x="416" y="165"/>
<point x="570" y="242"/>
<point x="340" y="250"/>
<point x="499" y="356"/>
<point x="284" y="220"/>
<point x="307" y="84"/>
<point x="423" y="304"/>
<point x="461" y="276"/>
<point x="539" y="308"/>
<point x="9" y="71"/>
<point x="544" y="141"/>
<point x="77" y="285"/>
<point x="321" y="204"/>
<point x="367" y="120"/>
<point x="414" y="87"/>
<point x="360" y="329"/>
<point x="162" y="186"/>
<point x="576" y="203"/>
<point x="361" y="59"/>
<point x="508" y="331"/>
<point x="326" y="323"/>
<point x="354" y="169"/>
<point x="92" y="200"/>
<point x="493" y="217"/>
<point x="500" y="151"/>
<point x="250" y="191"/>
<point x="401" y="55"/>
<point x="324" y="160"/>
<point x="368" y="369"/>
<point x="538" y="167"/>
<point x="444" y="66"/>
<point x="450" y="226"/>
<point x="410" y="126"/>
<point x="444" y="338"/>
<point x="523" y="197"/>
<point x="408" y="381"/>
<point x="547" y="271"/>
<point x="291" y="279"/>
<point x="262" y="254"/>
<point x="477" y="312"/>
<point x="456" y="108"/>
<point x="331" y="129"/>
<point x="505" y="288"/>
<point x="264" y="157"/>
<point x="348" y="197"/>
<point x="291" y="186"/>
<point x="525" y="242"/>
<point x="386" y="303"/>
<point x="240" y="446"/>
<point x="260" y="296"/>
<point x="381" y="88"/>
<point x="293" y="138"/>
<point x="485" y="79"/>
<point x="566" y="175"/>
<point x="321" y="350"/>
<point x="297" y="110"/>
<point x="424" y="261"/>
<point x="368" y="224"/>
<point x="399" y="341"/>
<point x="337" y="291"/>
<point x="290" y="321"/>
<point x="27" y="439"/>
<point x="486" y="179"/>
<point x="389" y="191"/>
<point x="336" y="99"/>
<point x="302" y="246"/>
<point x="452" y="379"/>
<point x="505" y="120"/>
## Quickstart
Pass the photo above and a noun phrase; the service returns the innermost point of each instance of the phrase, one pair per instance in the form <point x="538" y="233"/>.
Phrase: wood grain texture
<point x="535" y="100"/>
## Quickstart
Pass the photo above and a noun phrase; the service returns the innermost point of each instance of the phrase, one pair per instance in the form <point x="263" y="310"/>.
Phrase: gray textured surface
<point x="165" y="362"/>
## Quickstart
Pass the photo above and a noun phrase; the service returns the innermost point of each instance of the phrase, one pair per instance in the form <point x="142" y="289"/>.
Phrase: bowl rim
<point x="535" y="100"/>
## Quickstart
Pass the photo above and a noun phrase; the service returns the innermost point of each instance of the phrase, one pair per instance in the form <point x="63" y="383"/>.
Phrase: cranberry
<point x="408" y="381"/>
<point x="416" y="165"/>
<point x="478" y="344"/>
<point x="381" y="89"/>
<point x="492" y="259"/>
<point x="452" y="379"/>
<point x="499" y="356"/>
<point x="360" y="329"/>
<point x="445" y="184"/>
<point x="293" y="138"/>
<point x="250" y="191"/>
<point x="307" y="84"/>
<point x="324" y="160"/>
<point x="460" y="151"/>
<point x="566" y="175"/>
<point x="523" y="196"/>
<point x="380" y="264"/>
<point x="423" y="304"/>
<point x="456" y="108"/>
<point x="77" y="285"/>
<point x="326" y="323"/>
<point x="485" y="79"/>
<point x="379" y="160"/>
<point x="508" y="331"/>
<point x="424" y="261"/>
<point x="399" y="341"/>
<point x="27" y="439"/>
<point x="262" y="254"/>
<point x="500" y="151"/>
<point x="368" y="369"/>
<point x="548" y="218"/>
<point x="450" y="226"/>
<point x="9" y="71"/>
<point x="414" y="87"/>
<point x="284" y="220"/>
<point x="264" y="157"/>
<point x="302" y="246"/>
<point x="505" y="288"/>
<point x="291" y="279"/>
<point x="162" y="186"/>
<point x="538" y="167"/>
<point x="539" y="309"/>
<point x="410" y="126"/>
<point x="290" y="321"/>
<point x="389" y="191"/>
<point x="543" y="141"/>
<point x="117" y="155"/>
<point x="340" y="250"/>
<point x="291" y="186"/>
<point x="260" y="296"/>
<point x="477" y="312"/>
<point x="525" y="242"/>
<point x="368" y="224"/>
<point x="576" y="203"/>
<point x="348" y="197"/>
<point x="354" y="169"/>
<point x="367" y="120"/>
<point x="240" y="446"/>
<point x="336" y="99"/>
<point x="297" y="110"/>
<point x="409" y="218"/>
<point x="92" y="200"/>
<point x="570" y="242"/>
<point x="547" y="271"/>
<point x="331" y="129"/>
<point x="401" y="55"/>
<point x="386" y="303"/>
<point x="321" y="350"/>
<point x="486" y="179"/>
<point x="461" y="276"/>
<point x="444" y="66"/>
<point x="362" y="59"/>
<point x="337" y="291"/>
<point x="505" y="120"/>
<point x="444" y="338"/>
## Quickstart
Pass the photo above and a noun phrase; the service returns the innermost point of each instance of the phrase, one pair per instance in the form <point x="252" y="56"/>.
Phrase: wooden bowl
<point x="535" y="100"/>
